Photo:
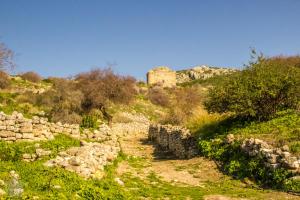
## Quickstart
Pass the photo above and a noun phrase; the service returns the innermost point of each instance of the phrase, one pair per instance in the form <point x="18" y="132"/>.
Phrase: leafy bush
<point x="4" y="80"/>
<point x="31" y="76"/>
<point x="265" y="87"/>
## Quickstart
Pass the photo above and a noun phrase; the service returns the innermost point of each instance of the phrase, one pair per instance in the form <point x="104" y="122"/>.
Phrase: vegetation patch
<point x="239" y="165"/>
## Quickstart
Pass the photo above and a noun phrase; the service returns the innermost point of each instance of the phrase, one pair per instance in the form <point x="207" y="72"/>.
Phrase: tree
<point x="6" y="58"/>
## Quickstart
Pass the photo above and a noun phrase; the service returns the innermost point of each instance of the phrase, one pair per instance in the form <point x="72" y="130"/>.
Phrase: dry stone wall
<point x="274" y="157"/>
<point x="175" y="139"/>
<point x="17" y="128"/>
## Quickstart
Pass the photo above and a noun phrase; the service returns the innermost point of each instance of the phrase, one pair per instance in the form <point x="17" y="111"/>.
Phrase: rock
<point x="285" y="148"/>
<point x="42" y="152"/>
<point x="229" y="138"/>
<point x="2" y="192"/>
<point x="119" y="181"/>
<point x="57" y="187"/>
<point x="2" y="183"/>
<point x="75" y="161"/>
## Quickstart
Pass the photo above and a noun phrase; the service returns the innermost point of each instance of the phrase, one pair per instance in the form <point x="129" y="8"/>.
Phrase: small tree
<point x="6" y="58"/>
<point x="265" y="87"/>
<point x="6" y="64"/>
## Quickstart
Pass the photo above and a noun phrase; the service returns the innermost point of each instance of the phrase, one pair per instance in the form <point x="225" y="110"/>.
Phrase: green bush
<point x="266" y="86"/>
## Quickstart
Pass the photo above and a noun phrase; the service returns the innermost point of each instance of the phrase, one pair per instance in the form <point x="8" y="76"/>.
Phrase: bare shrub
<point x="158" y="96"/>
<point x="100" y="86"/>
<point x="64" y="101"/>
<point x="103" y="86"/>
<point x="66" y="117"/>
<point x="182" y="105"/>
<point x="4" y="80"/>
<point x="32" y="77"/>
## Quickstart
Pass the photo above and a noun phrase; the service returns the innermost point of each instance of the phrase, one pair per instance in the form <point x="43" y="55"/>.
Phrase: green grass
<point x="14" y="151"/>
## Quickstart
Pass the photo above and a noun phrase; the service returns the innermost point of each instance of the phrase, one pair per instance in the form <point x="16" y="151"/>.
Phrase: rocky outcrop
<point x="201" y="73"/>
<point x="175" y="139"/>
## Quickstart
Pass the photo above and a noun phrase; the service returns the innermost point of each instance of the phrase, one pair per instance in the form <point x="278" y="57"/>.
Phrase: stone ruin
<point x="165" y="77"/>
<point x="162" y="76"/>
<point x="89" y="159"/>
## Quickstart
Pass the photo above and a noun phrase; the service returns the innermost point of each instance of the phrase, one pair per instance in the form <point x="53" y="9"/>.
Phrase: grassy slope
<point x="284" y="129"/>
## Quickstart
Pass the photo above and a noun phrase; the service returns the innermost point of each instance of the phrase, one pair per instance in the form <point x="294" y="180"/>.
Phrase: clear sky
<point x="64" y="37"/>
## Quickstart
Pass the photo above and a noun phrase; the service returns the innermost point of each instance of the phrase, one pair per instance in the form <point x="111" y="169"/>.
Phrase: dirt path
<point x="194" y="172"/>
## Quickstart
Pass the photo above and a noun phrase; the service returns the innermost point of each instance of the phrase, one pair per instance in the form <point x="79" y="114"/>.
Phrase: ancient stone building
<point x="162" y="76"/>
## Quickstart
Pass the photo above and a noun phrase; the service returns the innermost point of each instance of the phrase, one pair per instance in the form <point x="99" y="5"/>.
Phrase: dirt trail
<point x="190" y="172"/>
<point x="187" y="173"/>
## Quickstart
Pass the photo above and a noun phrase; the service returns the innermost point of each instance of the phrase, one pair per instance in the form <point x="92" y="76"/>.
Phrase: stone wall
<point x="162" y="76"/>
<point x="17" y="128"/>
<point x="175" y="139"/>
<point x="274" y="157"/>
<point x="182" y="144"/>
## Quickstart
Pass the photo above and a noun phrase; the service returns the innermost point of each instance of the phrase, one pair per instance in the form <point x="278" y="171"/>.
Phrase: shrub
<point x="64" y="101"/>
<point x="89" y="121"/>
<point x="158" y="96"/>
<point x="102" y="86"/>
<point x="4" y="80"/>
<point x="31" y="76"/>
<point x="265" y="87"/>
<point x="182" y="105"/>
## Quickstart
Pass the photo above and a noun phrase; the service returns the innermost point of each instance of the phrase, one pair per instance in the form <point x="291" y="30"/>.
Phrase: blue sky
<point x="64" y="37"/>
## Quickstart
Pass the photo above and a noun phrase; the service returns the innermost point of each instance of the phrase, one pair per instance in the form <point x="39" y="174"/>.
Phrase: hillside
<point x="62" y="138"/>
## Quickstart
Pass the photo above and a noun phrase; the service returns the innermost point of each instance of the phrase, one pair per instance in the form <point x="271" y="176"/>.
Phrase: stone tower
<point x="162" y="76"/>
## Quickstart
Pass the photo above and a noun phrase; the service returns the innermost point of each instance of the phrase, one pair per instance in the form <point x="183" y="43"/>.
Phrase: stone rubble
<point x="15" y="187"/>
<point x="87" y="159"/>
<point x="274" y="157"/>
<point x="39" y="153"/>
